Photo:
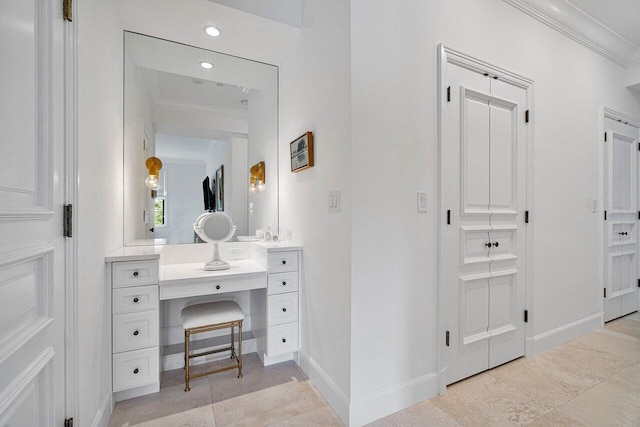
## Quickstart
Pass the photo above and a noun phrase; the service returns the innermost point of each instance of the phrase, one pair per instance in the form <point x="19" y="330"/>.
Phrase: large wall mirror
<point x="209" y="118"/>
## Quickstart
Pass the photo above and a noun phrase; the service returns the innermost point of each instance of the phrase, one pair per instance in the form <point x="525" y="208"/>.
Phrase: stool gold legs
<point x="187" y="333"/>
<point x="237" y="356"/>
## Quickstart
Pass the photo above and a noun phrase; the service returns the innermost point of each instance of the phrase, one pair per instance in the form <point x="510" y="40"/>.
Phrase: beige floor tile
<point x="319" y="417"/>
<point x="604" y="405"/>
<point x="614" y="344"/>
<point x="625" y="326"/>
<point x="226" y="385"/>
<point x="540" y="381"/>
<point x="270" y="405"/>
<point x="628" y="378"/>
<point x="484" y="400"/>
<point x="556" y="419"/>
<point x="422" y="414"/>
<point x="198" y="417"/>
<point x="582" y="366"/>
<point x="157" y="406"/>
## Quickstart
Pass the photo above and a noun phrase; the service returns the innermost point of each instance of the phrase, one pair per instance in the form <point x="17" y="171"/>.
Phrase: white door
<point x="483" y="190"/>
<point x="32" y="301"/>
<point x="621" y="279"/>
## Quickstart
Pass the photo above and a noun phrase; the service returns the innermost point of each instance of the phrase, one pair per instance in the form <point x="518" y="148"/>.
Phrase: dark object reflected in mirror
<point x="219" y="196"/>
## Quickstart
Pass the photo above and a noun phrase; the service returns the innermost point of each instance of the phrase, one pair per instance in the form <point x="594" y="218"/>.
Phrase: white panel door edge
<point x="32" y="248"/>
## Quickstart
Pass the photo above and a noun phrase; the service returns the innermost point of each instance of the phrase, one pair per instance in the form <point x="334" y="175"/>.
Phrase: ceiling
<point x="621" y="16"/>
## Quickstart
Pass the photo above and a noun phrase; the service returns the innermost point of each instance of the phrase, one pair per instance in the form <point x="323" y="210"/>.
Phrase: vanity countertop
<point x="135" y="253"/>
<point x="278" y="246"/>
<point x="171" y="274"/>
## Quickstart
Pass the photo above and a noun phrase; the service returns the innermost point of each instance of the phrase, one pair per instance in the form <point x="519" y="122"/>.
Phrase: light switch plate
<point x="422" y="201"/>
<point x="334" y="201"/>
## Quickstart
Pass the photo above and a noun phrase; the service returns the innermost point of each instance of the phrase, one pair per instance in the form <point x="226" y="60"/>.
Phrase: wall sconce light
<point x="154" y="165"/>
<point x="257" y="177"/>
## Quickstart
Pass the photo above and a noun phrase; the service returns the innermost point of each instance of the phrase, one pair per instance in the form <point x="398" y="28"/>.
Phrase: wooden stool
<point x="210" y="317"/>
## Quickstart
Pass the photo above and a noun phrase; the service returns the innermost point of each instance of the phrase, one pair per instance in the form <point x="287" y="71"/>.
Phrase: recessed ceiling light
<point x="212" y="31"/>
<point x="206" y="65"/>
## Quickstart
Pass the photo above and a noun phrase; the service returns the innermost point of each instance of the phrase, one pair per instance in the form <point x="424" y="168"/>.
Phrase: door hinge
<point x="67" y="221"/>
<point x="605" y="215"/>
<point x="68" y="422"/>
<point x="526" y="316"/>
<point x="67" y="10"/>
<point x="449" y="94"/>
<point x="605" y="137"/>
<point x="638" y="146"/>
<point x="449" y="217"/>
<point x="605" y="292"/>
<point x="526" y="217"/>
<point x="639" y="283"/>
<point x="446" y="338"/>
<point x="526" y="116"/>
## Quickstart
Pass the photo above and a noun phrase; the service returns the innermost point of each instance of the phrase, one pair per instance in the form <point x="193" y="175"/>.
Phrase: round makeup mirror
<point x="215" y="227"/>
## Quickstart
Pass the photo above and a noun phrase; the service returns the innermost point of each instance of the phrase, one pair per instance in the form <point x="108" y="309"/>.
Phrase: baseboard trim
<point x="338" y="401"/>
<point x="393" y="399"/>
<point x="103" y="415"/>
<point x="565" y="333"/>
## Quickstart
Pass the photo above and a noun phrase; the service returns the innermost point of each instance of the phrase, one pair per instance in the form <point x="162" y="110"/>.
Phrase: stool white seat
<point x="211" y="313"/>
<point x="207" y="317"/>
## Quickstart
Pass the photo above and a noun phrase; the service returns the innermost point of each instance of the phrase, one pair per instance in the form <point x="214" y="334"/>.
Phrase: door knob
<point x="496" y="244"/>
<point x="488" y="244"/>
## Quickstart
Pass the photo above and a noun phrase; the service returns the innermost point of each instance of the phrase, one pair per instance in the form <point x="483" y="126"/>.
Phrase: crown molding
<point x="569" y="20"/>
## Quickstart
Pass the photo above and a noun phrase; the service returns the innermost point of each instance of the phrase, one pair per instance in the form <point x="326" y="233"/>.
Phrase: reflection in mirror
<point x="208" y="127"/>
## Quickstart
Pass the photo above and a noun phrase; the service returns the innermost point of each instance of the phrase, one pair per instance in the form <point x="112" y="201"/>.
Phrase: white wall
<point x="183" y="202"/>
<point x="137" y="119"/>
<point x="394" y="84"/>
<point x="315" y="96"/>
<point x="99" y="206"/>
<point x="263" y="135"/>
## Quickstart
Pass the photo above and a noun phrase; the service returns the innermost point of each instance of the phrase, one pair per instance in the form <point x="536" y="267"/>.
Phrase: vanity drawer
<point x="210" y="286"/>
<point x="282" y="261"/>
<point x="139" y="298"/>
<point x="282" y="339"/>
<point x="135" y="368"/>
<point x="280" y="283"/>
<point x="135" y="330"/>
<point x="135" y="273"/>
<point x="283" y="308"/>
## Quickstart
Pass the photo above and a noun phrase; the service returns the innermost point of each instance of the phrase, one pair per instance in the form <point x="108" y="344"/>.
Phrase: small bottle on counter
<point x="268" y="234"/>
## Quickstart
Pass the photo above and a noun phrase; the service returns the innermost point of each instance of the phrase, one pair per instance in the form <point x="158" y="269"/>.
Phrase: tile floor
<point x="591" y="381"/>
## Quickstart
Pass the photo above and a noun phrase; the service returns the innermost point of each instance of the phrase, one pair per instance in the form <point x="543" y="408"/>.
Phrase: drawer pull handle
<point x="284" y="261"/>
<point x="135" y="274"/>
<point x="135" y="371"/>
<point x="217" y="286"/>
<point x="284" y="340"/>
<point x="135" y="333"/>
<point x="284" y="308"/>
<point x="284" y="283"/>
<point x="136" y="299"/>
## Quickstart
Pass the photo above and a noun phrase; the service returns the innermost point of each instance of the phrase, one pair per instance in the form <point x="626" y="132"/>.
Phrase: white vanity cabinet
<point x="278" y="337"/>
<point x="135" y="327"/>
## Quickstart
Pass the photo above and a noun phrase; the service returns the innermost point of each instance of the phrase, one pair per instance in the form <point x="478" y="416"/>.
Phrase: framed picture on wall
<point x="220" y="189"/>
<point x="302" y="152"/>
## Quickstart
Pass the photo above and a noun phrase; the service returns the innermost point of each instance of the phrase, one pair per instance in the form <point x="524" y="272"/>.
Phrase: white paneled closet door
<point x="621" y="289"/>
<point x="484" y="193"/>
<point x="32" y="299"/>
